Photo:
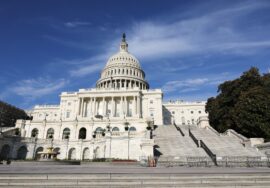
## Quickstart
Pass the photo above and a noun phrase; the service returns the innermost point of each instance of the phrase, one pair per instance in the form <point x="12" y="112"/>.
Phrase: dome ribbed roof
<point x="124" y="59"/>
<point x="122" y="70"/>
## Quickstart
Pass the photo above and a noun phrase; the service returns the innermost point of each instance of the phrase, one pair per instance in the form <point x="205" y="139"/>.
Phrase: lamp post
<point x="109" y="131"/>
<point x="150" y="126"/>
<point x="126" y="124"/>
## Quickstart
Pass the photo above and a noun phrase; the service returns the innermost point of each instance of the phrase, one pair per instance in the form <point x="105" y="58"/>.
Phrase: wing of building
<point x="117" y="118"/>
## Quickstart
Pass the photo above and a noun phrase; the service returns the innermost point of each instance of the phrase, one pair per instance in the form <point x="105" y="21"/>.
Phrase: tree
<point x="242" y="104"/>
<point x="9" y="114"/>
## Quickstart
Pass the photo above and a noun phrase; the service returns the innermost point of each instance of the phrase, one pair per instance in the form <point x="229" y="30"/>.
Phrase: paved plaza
<point x="108" y="168"/>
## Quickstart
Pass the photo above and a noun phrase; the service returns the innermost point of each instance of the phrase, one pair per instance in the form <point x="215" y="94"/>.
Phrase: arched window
<point x="99" y="130"/>
<point x="34" y="133"/>
<point x="50" y="133"/>
<point x="183" y="121"/>
<point x="115" y="129"/>
<point x="5" y="151"/>
<point x="22" y="152"/>
<point x="72" y="154"/>
<point x="86" y="154"/>
<point x="66" y="133"/>
<point x="132" y="129"/>
<point x="82" y="133"/>
<point x="37" y="155"/>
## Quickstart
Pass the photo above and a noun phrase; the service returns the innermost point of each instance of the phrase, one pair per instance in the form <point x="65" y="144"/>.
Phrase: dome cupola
<point x="122" y="70"/>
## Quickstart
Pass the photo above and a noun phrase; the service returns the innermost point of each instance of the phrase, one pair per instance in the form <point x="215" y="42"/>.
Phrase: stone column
<point x="82" y="107"/>
<point x="79" y="106"/>
<point x="139" y="106"/>
<point x="103" y="106"/>
<point x="133" y="107"/>
<point x="90" y="106"/>
<point x="85" y="108"/>
<point x="121" y="107"/>
<point x="136" y="105"/>
<point x="94" y="106"/>
<point x="113" y="107"/>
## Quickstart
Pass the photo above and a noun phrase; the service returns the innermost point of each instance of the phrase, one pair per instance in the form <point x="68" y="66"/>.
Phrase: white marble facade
<point x="109" y="121"/>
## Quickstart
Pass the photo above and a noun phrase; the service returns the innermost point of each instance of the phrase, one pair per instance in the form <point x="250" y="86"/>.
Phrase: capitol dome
<point x="122" y="70"/>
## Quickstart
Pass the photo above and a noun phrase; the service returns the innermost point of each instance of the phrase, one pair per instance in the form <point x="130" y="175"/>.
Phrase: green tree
<point x="9" y="114"/>
<point x="242" y="104"/>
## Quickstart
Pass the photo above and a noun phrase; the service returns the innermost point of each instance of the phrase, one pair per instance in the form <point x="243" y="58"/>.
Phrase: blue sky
<point x="185" y="47"/>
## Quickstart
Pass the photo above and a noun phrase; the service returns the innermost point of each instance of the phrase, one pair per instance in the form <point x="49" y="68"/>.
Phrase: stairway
<point x="229" y="150"/>
<point x="172" y="147"/>
<point x="224" y="145"/>
<point x="135" y="180"/>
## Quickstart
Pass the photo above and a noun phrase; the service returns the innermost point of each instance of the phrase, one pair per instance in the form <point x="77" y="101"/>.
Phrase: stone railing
<point x="213" y="130"/>
<point x="47" y="106"/>
<point x="230" y="132"/>
<point x="183" y="102"/>
<point x="185" y="161"/>
<point x="243" y="161"/>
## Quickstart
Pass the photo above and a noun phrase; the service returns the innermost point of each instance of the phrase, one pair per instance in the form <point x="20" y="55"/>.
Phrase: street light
<point x="150" y="126"/>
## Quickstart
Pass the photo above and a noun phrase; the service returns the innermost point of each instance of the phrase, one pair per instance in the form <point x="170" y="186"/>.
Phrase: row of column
<point x="129" y="106"/>
<point x="122" y="84"/>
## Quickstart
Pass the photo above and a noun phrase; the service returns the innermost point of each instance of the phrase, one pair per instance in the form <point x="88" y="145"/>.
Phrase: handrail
<point x="213" y="130"/>
<point x="209" y="152"/>
<point x="179" y="129"/>
<point x="193" y="138"/>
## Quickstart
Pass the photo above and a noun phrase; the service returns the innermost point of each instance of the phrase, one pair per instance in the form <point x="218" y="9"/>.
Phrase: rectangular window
<point x="68" y="114"/>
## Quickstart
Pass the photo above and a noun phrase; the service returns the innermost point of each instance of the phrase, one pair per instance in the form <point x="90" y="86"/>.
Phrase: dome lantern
<point x="124" y="44"/>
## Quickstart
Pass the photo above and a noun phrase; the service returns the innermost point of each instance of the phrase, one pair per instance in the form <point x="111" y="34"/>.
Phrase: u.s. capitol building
<point x="123" y="118"/>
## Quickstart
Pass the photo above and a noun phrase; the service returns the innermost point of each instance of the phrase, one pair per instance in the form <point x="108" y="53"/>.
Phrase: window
<point x="50" y="133"/>
<point x="69" y="103"/>
<point x="151" y="101"/>
<point x="99" y="130"/>
<point x="68" y="114"/>
<point x="132" y="129"/>
<point x="191" y="112"/>
<point x="200" y="112"/>
<point x="66" y="133"/>
<point x="115" y="129"/>
<point x="82" y="133"/>
<point x="173" y="112"/>
<point x="34" y="133"/>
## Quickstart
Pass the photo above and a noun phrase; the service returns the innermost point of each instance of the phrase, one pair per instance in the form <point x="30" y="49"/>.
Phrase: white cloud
<point x="216" y="31"/>
<point x="76" y="24"/>
<point x="36" y="88"/>
<point x="184" y="85"/>
<point x="86" y="70"/>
